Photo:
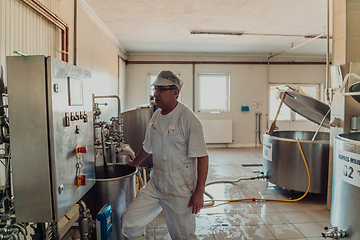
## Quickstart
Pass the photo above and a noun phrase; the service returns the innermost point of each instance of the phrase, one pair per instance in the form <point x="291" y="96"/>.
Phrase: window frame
<point x="228" y="92"/>
<point x="293" y="115"/>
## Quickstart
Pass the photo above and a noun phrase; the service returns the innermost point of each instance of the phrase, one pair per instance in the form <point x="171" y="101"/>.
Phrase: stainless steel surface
<point x="283" y="163"/>
<point x="42" y="147"/>
<point x="345" y="208"/>
<point x="118" y="191"/>
<point x="307" y="107"/>
<point x="355" y="88"/>
<point x="124" y="154"/>
<point x="135" y="124"/>
<point x="334" y="233"/>
<point x="110" y="96"/>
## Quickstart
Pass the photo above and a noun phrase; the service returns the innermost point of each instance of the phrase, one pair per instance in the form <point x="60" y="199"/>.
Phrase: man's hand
<point x="197" y="198"/>
<point x="196" y="201"/>
<point x="138" y="159"/>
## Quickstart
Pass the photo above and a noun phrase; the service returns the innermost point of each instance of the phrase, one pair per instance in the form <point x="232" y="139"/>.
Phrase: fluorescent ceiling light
<point x="209" y="33"/>
<point x="313" y="36"/>
<point x="216" y="33"/>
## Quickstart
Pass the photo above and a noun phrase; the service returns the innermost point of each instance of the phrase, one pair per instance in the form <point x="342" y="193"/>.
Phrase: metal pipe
<point x="322" y="121"/>
<point x="49" y="12"/>
<point x="260" y="129"/>
<point x="110" y="96"/>
<point x="256" y="130"/>
<point x="249" y="34"/>
<point x="66" y="44"/>
<point x="15" y="235"/>
<point x="293" y="47"/>
<point x="327" y="53"/>
<point x="53" y="18"/>
<point x="118" y="67"/>
<point x="65" y="31"/>
<point x="235" y="181"/>
<point x="83" y="205"/>
<point x="104" y="151"/>
<point x="21" y="229"/>
<point x="127" y="151"/>
<point x="43" y="13"/>
<point x="3" y="137"/>
<point x="2" y="90"/>
<point x="75" y="32"/>
<point x="193" y="77"/>
<point x="225" y="62"/>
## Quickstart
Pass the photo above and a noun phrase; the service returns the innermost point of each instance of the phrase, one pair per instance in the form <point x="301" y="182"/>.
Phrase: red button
<point x="82" y="150"/>
<point x="83" y="180"/>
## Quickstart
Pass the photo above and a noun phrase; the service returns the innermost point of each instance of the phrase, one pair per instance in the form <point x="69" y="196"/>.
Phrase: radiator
<point x="217" y="131"/>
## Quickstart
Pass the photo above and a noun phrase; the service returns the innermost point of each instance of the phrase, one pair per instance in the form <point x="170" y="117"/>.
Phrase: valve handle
<point x="82" y="149"/>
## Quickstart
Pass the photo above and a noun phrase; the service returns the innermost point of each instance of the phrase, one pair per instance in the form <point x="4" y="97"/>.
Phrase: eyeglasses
<point x="161" y="89"/>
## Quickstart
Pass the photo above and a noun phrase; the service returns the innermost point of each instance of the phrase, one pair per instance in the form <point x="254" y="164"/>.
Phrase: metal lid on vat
<point x="355" y="88"/>
<point x="308" y="107"/>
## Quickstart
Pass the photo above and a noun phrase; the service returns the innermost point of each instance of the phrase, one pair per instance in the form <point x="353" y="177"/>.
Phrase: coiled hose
<point x="211" y="202"/>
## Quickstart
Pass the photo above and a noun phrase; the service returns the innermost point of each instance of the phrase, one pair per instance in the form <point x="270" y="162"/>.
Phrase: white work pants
<point x="148" y="204"/>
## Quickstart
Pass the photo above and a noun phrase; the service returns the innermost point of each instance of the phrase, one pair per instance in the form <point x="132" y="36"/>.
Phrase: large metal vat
<point x="118" y="191"/>
<point x="283" y="163"/>
<point x="135" y="125"/>
<point x="345" y="208"/>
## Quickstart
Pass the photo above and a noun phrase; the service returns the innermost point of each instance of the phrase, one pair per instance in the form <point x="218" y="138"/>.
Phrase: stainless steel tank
<point x="283" y="163"/>
<point x="118" y="191"/>
<point x="345" y="208"/>
<point x="135" y="125"/>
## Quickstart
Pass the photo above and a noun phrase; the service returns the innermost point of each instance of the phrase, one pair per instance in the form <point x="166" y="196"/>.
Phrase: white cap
<point x="168" y="78"/>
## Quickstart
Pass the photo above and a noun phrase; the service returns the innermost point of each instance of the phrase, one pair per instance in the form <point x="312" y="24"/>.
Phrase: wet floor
<point x="250" y="220"/>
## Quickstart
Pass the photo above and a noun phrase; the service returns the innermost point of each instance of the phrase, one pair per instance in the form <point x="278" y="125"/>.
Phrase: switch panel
<point x="43" y="151"/>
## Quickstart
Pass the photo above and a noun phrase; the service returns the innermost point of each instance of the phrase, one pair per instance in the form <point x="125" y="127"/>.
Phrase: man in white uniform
<point x="180" y="163"/>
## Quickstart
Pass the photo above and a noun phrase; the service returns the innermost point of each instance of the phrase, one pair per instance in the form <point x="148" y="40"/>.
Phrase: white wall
<point x="22" y="29"/>
<point x="98" y="51"/>
<point x="136" y="83"/>
<point x="248" y="83"/>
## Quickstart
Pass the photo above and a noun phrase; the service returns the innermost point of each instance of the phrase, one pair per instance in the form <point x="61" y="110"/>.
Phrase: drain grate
<point x="251" y="165"/>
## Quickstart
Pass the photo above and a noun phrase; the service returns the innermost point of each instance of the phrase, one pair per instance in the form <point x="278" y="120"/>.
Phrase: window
<point x="151" y="79"/>
<point x="214" y="93"/>
<point x="285" y="112"/>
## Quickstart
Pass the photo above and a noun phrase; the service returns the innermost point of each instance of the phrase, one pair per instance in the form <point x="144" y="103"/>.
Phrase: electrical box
<point x="51" y="136"/>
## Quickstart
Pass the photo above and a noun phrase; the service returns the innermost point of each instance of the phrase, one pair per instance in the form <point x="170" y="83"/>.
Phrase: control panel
<point x="53" y="157"/>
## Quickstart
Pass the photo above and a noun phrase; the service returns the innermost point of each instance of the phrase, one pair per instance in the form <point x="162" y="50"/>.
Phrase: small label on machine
<point x="267" y="151"/>
<point x="348" y="165"/>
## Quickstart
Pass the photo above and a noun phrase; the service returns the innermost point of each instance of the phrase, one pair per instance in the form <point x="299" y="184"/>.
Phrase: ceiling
<point x="164" y="26"/>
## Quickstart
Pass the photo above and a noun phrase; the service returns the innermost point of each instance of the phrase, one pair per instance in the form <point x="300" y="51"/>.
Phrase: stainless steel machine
<point x="56" y="156"/>
<point x="118" y="190"/>
<point x="283" y="164"/>
<point x="51" y="125"/>
<point x="115" y="182"/>
<point x="345" y="209"/>
<point x="135" y="123"/>
<point x="282" y="160"/>
<point x="345" y="186"/>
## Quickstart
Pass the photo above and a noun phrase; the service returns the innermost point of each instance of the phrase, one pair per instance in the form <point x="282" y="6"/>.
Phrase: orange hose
<point x="270" y="199"/>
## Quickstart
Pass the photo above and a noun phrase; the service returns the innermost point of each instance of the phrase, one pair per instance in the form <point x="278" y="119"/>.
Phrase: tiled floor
<point x="251" y="220"/>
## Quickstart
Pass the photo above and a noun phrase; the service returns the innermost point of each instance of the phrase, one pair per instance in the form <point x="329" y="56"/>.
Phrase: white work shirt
<point x="175" y="140"/>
